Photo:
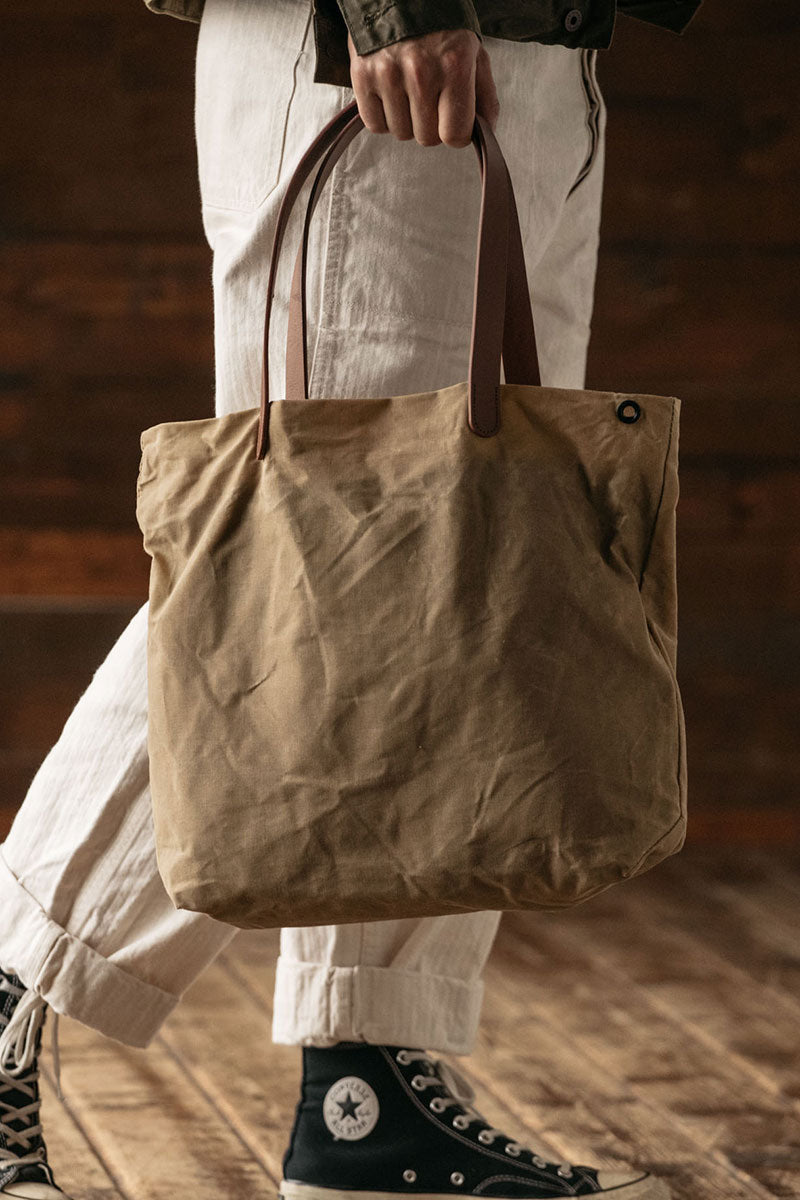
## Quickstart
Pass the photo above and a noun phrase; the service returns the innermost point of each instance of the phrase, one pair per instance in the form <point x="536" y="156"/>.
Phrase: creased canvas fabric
<point x="396" y="669"/>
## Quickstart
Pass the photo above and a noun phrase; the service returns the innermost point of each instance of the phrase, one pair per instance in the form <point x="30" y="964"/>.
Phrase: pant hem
<point x="72" y="977"/>
<point x="318" y="1005"/>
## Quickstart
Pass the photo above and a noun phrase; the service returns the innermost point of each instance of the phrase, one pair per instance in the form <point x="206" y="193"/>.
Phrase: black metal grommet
<point x="632" y="416"/>
<point x="573" y="20"/>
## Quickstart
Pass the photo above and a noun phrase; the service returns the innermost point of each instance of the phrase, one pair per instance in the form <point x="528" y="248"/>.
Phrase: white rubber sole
<point x="644" y="1189"/>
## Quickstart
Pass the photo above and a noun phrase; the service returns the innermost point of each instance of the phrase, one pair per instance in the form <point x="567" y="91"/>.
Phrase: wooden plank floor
<point x="657" y="1025"/>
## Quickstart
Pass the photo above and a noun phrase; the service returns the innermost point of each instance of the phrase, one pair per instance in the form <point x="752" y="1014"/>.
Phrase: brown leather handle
<point x="494" y="323"/>
<point x="520" y="356"/>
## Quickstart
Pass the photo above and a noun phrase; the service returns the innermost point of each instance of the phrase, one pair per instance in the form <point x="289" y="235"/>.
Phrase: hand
<point x="426" y="87"/>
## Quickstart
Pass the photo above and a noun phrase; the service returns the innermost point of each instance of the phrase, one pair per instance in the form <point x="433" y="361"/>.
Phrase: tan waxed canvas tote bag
<point x="414" y="655"/>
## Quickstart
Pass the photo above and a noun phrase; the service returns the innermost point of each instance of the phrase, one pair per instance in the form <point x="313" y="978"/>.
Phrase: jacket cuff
<point x="374" y="24"/>
<point x="669" y="14"/>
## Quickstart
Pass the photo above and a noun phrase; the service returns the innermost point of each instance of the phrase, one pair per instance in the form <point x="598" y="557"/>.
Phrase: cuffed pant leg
<point x="87" y="922"/>
<point x="412" y="982"/>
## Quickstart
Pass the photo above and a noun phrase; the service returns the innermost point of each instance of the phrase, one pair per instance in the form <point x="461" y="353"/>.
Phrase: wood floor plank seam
<point x="623" y="977"/>
<point x="766" y="945"/>
<point x="212" y="1100"/>
<point x="705" y="869"/>
<point x="161" y="1133"/>
<point x="665" y="1117"/>
<point x="664" y="1114"/>
<point x="683" y="1022"/>
<point x="752" y="1187"/>
<point x="784" y="871"/>
<point x="726" y="894"/>
<point x="720" y="1051"/>
<point x="260" y="999"/>
<point x="735" y="973"/>
<point x="84" y="1134"/>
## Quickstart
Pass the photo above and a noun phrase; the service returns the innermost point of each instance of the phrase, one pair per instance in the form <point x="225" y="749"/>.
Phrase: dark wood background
<point x="106" y="315"/>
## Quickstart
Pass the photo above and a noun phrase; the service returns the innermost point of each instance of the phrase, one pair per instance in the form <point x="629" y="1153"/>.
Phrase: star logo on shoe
<point x="348" y="1106"/>
<point x="350" y="1109"/>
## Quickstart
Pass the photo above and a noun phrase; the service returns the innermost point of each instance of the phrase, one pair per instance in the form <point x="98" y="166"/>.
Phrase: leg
<point x="385" y="318"/>
<point x="88" y="925"/>
<point x="87" y="922"/>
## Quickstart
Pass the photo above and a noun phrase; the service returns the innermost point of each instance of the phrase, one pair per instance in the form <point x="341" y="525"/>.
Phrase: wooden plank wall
<point x="105" y="305"/>
<point x="697" y="297"/>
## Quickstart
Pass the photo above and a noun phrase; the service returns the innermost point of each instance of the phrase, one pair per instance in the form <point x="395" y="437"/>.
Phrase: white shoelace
<point x="462" y="1094"/>
<point x="17" y="1053"/>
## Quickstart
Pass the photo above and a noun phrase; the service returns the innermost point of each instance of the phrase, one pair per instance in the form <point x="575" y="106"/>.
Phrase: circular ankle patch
<point x="350" y="1108"/>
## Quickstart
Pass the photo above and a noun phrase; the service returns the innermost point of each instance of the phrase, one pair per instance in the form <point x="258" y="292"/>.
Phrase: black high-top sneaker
<point x="24" y="1170"/>
<point x="375" y="1122"/>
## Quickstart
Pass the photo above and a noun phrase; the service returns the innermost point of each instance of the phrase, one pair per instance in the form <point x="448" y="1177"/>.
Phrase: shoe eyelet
<point x="401" y="1057"/>
<point x="419" y="1083"/>
<point x="437" y="1104"/>
<point x="410" y="1176"/>
<point x="540" y="1162"/>
<point x="460" y="1122"/>
<point x="485" y="1137"/>
<point x="564" y="1174"/>
<point x="514" y="1151"/>
<point x="457" y="1178"/>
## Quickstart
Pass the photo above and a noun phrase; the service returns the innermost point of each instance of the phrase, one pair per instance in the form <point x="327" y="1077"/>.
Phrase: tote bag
<point x="413" y="655"/>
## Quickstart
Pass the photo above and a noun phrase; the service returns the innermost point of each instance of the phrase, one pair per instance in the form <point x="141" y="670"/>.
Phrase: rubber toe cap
<point x="33" y="1191"/>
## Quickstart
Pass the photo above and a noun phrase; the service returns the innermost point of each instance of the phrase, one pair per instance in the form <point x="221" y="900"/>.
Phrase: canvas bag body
<point x="396" y="669"/>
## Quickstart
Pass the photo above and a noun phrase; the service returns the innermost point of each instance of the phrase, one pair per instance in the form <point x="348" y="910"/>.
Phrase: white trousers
<point x="86" y="922"/>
